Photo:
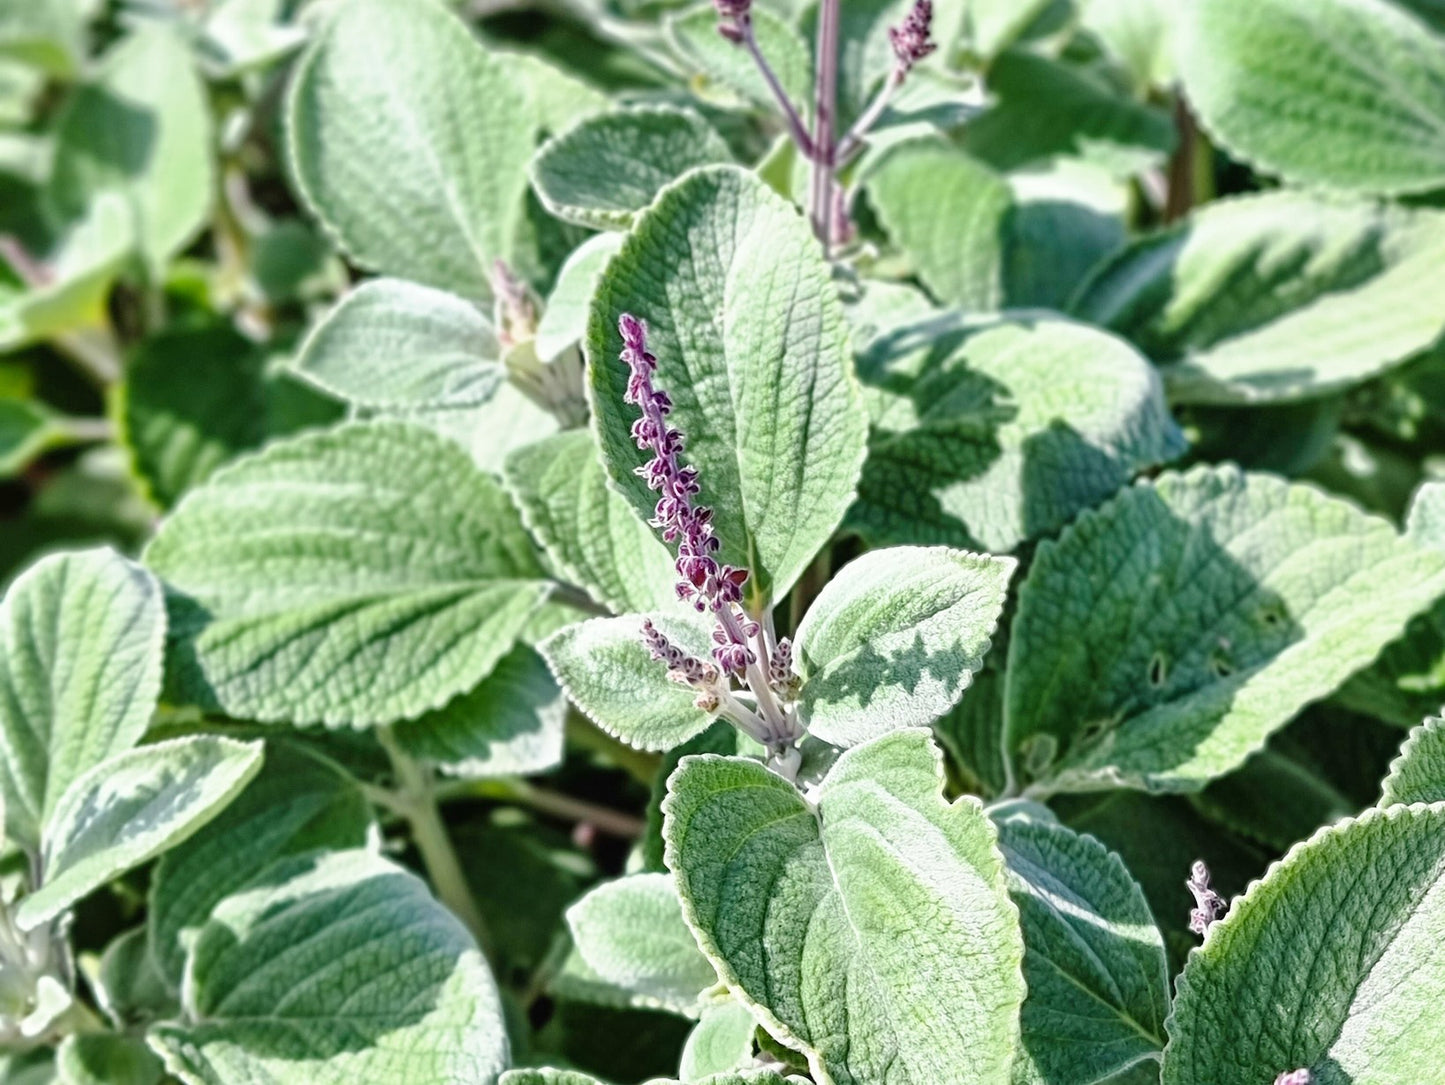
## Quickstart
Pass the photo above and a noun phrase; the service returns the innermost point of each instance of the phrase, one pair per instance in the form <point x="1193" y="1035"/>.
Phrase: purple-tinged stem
<point x="796" y="129"/>
<point x="820" y="199"/>
<point x="852" y="143"/>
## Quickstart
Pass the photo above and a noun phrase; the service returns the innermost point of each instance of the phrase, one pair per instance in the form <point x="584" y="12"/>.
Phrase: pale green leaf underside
<point x="331" y="969"/>
<point x="631" y="934"/>
<point x="1276" y="297"/>
<point x="1161" y="639"/>
<point x="609" y="674"/>
<point x="871" y="931"/>
<point x="1418" y="774"/>
<point x="1348" y="94"/>
<point x="1094" y="960"/>
<point x="564" y="321"/>
<point x="391" y="343"/>
<point x="604" y="170"/>
<point x="694" y="35"/>
<point x="410" y="142"/>
<point x="722" y="1040"/>
<point x="510" y="725"/>
<point x="142" y="129"/>
<point x="895" y="638"/>
<point x="590" y="531"/>
<point x="1335" y="963"/>
<point x="752" y="348"/>
<point x="130" y="808"/>
<point x="296" y="803"/>
<point x="986" y="434"/>
<point x="82" y="640"/>
<point x="351" y="577"/>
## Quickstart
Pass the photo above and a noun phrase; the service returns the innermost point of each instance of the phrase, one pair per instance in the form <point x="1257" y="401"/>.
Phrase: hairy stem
<point x="417" y="803"/>
<point x="852" y="143"/>
<point x="796" y="128"/>
<point x="820" y="197"/>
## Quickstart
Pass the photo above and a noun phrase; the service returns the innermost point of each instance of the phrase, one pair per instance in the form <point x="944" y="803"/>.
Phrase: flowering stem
<point x="852" y="143"/>
<point x="820" y="197"/>
<point x="796" y="128"/>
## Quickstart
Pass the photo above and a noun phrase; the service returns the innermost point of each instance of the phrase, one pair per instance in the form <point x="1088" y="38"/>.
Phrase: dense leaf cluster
<point x="1047" y="398"/>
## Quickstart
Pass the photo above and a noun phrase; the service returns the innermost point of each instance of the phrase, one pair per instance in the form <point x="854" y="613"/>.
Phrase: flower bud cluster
<point x="911" y="39"/>
<point x="702" y="580"/>
<point x="683" y="668"/>
<point x="1209" y="906"/>
<point x="1295" y="1077"/>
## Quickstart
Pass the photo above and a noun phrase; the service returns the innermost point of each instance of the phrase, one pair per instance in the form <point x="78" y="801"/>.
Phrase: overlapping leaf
<point x="1418" y="774"/>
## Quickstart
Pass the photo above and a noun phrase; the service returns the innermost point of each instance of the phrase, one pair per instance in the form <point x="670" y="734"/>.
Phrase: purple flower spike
<point x="1209" y="906"/>
<point x="1295" y="1077"/>
<point x="911" y="42"/>
<point x="780" y="670"/>
<point x="702" y="579"/>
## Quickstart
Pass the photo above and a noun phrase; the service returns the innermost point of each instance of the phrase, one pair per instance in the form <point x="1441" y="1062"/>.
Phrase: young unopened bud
<point x="910" y="39"/>
<point x="733" y="32"/>
<point x="1209" y="906"/>
<point x="732" y="9"/>
<point x="516" y="313"/>
<point x="1295" y="1077"/>
<point x="780" y="670"/>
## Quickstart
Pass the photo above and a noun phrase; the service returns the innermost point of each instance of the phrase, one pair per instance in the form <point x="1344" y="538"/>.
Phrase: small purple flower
<point x="780" y="670"/>
<point x="1209" y="906"/>
<point x="911" y="42"/>
<point x="703" y="581"/>
<point x="1295" y="1077"/>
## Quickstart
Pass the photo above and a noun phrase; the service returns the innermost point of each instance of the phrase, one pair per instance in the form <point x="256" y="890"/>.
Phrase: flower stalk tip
<point x="1209" y="906"/>
<point x="911" y="39"/>
<point x="1295" y="1077"/>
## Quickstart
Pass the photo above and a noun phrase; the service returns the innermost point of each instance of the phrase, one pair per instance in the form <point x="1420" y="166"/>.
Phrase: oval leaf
<point x="81" y="647"/>
<point x="872" y="931"/>
<point x="604" y="170"/>
<point x="753" y="350"/>
<point x="1418" y="774"/>
<point x="1165" y="636"/>
<point x="1334" y="962"/>
<point x="410" y="142"/>
<point x="354" y="577"/>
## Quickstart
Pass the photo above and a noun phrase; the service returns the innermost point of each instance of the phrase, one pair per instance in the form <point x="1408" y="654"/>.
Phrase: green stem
<point x="415" y="800"/>
<point x="552" y="803"/>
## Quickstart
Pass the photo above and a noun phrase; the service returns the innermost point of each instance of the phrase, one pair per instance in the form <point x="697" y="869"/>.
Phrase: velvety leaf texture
<point x="894" y="639"/>
<point x="297" y="802"/>
<point x="1094" y="961"/>
<point x="1418" y="774"/>
<point x="869" y="928"/>
<point x="607" y="168"/>
<point x="722" y="1040"/>
<point x="1276" y="297"/>
<point x="336" y="968"/>
<point x="988" y="433"/>
<point x="592" y="534"/>
<point x="1348" y="94"/>
<point x="1334" y="963"/>
<point x="564" y="321"/>
<point x="410" y="142"/>
<point x="752" y="348"/>
<point x="390" y="343"/>
<point x="609" y="674"/>
<point x="130" y="808"/>
<point x="1163" y="637"/>
<point x="632" y="934"/>
<point x="352" y="577"/>
<point x="81" y="647"/>
<point x="694" y="34"/>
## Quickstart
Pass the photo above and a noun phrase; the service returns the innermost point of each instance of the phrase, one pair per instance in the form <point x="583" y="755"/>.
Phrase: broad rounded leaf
<point x="988" y="434"/>
<point x="1418" y="774"/>
<point x="351" y="577"/>
<point x="1162" y="638"/>
<point x="141" y="129"/>
<point x="296" y="803"/>
<point x="1334" y="962"/>
<point x="510" y="725"/>
<point x="895" y="638"/>
<point x="81" y="647"/>
<point x="604" y="170"/>
<point x="694" y="34"/>
<point x="753" y="350"/>
<point x="564" y="321"/>
<point x="609" y="674"/>
<point x="1276" y="297"/>
<point x="410" y="142"/>
<point x="869" y="929"/>
<point x="1344" y="93"/>
<point x="130" y="808"/>
<point x="336" y="968"/>
<point x="721" y="1042"/>
<point x="391" y="343"/>
<point x="590" y="532"/>
<point x="631" y="933"/>
<point x="1094" y="961"/>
